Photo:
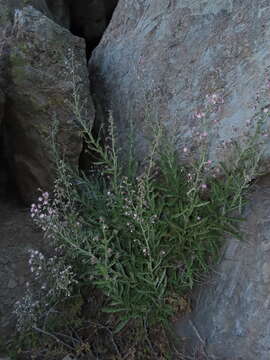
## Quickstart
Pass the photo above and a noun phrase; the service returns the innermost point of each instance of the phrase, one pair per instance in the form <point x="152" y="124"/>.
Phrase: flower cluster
<point x="26" y="311"/>
<point x="36" y="263"/>
<point x="43" y="212"/>
<point x="52" y="280"/>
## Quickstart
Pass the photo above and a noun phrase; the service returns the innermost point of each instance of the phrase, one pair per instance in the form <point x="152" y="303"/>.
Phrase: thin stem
<point x="53" y="337"/>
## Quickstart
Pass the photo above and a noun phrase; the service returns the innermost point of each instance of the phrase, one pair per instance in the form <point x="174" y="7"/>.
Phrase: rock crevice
<point x="86" y="19"/>
<point x="34" y="84"/>
<point x="38" y="87"/>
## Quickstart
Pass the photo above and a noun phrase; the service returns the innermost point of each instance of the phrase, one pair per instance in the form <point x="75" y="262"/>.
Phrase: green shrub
<point x="143" y="235"/>
<point x="145" y="238"/>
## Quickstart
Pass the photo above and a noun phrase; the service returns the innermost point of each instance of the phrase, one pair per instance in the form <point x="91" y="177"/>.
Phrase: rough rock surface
<point x="17" y="235"/>
<point x="3" y="175"/>
<point x="87" y="19"/>
<point x="161" y="58"/>
<point x="43" y="59"/>
<point x="57" y="9"/>
<point x="39" y="91"/>
<point x="3" y="67"/>
<point x="231" y="315"/>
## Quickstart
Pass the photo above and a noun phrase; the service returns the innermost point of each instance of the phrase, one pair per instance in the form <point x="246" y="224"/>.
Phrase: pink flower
<point x="185" y="149"/>
<point x="204" y="186"/>
<point x="45" y="195"/>
<point x="199" y="115"/>
<point x="214" y="98"/>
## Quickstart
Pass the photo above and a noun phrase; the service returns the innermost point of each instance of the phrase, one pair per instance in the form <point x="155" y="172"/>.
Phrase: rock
<point x="160" y="59"/>
<point x="157" y="61"/>
<point x="60" y="11"/>
<point x="231" y="313"/>
<point x="89" y="19"/>
<point x="8" y="7"/>
<point x="2" y="106"/>
<point x="3" y="173"/>
<point x="39" y="91"/>
<point x="83" y="19"/>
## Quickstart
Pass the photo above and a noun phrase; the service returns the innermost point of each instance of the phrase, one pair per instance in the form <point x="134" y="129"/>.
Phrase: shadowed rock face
<point x="161" y="58"/>
<point x="87" y="19"/>
<point x="59" y="10"/>
<point x="30" y="69"/>
<point x="3" y="160"/>
<point x="36" y="91"/>
<point x="231" y="312"/>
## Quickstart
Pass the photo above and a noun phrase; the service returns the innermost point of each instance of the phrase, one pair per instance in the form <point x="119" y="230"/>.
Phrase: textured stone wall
<point x="160" y="59"/>
<point x="37" y="87"/>
<point x="231" y="310"/>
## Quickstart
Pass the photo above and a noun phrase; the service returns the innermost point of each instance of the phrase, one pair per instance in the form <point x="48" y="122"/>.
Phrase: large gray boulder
<point x="40" y="90"/>
<point x="230" y="319"/>
<point x="32" y="60"/>
<point x="160" y="59"/>
<point x="8" y="7"/>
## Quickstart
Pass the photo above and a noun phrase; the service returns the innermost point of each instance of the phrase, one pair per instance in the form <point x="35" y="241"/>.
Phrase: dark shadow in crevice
<point x="8" y="188"/>
<point x="89" y="20"/>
